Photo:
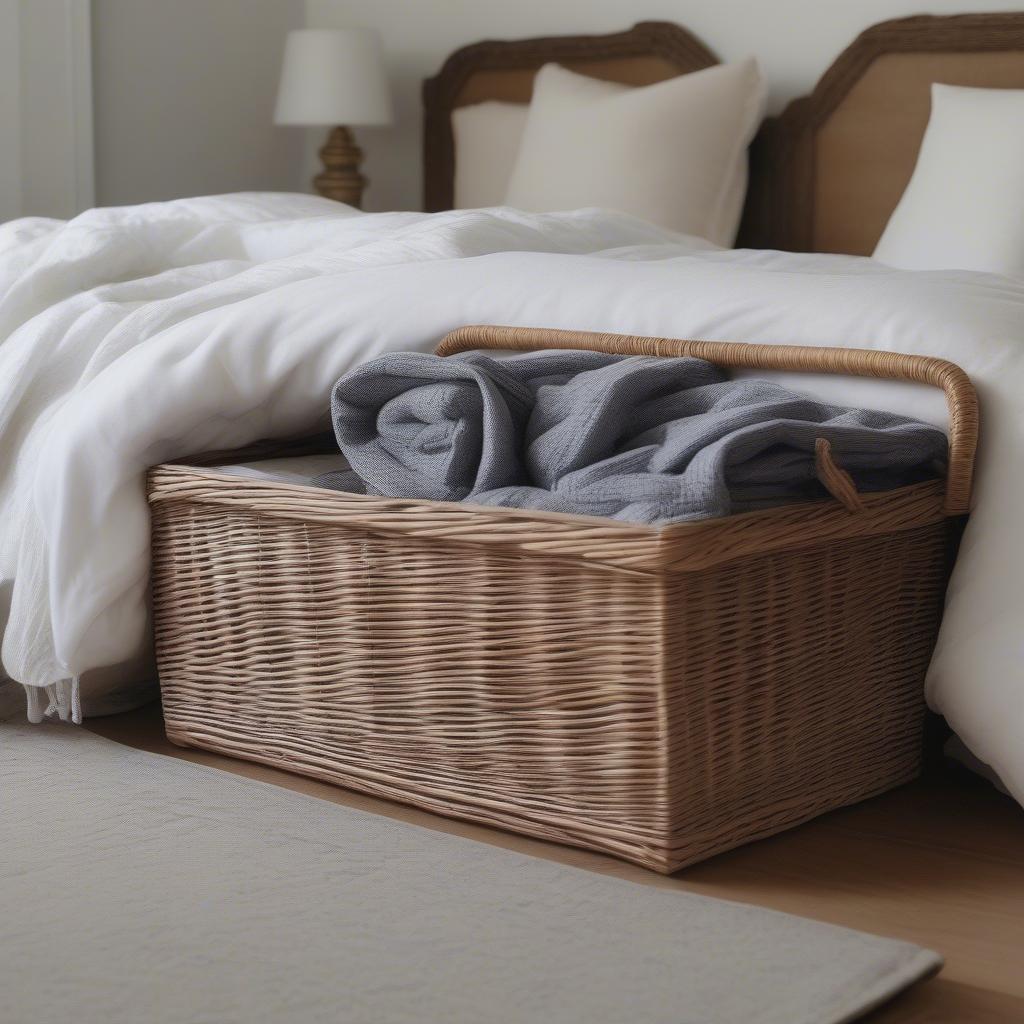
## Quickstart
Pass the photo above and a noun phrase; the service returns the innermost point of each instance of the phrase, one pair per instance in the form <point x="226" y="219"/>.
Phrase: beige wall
<point x="184" y="94"/>
<point x="794" y="39"/>
<point x="184" y="89"/>
<point x="46" y="153"/>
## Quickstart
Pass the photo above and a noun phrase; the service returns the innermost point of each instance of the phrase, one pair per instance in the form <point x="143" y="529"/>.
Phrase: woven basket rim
<point x="156" y="492"/>
<point x="690" y="545"/>
<point x="397" y="504"/>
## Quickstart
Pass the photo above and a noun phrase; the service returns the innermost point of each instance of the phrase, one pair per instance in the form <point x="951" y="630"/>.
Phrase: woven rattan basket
<point x="661" y="694"/>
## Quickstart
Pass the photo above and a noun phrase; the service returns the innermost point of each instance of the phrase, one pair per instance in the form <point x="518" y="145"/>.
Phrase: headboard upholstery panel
<point x="497" y="70"/>
<point x="866" y="150"/>
<point x="830" y="170"/>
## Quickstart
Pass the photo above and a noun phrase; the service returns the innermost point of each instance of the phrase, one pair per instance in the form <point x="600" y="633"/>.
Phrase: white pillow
<point x="964" y="206"/>
<point x="486" y="146"/>
<point x="674" y="153"/>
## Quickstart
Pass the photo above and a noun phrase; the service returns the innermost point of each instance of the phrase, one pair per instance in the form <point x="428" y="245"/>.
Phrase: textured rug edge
<point x="908" y="963"/>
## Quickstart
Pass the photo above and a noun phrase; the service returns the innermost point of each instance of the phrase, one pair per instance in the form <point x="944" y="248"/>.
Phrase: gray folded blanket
<point x="413" y="425"/>
<point x="635" y="438"/>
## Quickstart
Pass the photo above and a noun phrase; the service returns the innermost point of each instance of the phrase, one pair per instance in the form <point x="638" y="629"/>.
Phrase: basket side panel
<point x="796" y="683"/>
<point x="514" y="690"/>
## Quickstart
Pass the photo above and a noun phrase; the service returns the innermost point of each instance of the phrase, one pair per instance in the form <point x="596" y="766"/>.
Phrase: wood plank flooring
<point x="939" y="862"/>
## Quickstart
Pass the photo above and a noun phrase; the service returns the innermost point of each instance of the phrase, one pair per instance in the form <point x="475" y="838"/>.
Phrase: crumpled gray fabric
<point x="414" y="425"/>
<point x="640" y="439"/>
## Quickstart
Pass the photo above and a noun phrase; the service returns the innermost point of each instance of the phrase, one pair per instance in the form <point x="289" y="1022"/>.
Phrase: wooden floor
<point x="940" y="862"/>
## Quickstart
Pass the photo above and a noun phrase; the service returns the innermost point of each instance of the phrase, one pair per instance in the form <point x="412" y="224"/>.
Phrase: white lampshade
<point x="333" y="77"/>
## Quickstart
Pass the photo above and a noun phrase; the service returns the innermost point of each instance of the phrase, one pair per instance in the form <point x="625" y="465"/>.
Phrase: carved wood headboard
<point x="827" y="173"/>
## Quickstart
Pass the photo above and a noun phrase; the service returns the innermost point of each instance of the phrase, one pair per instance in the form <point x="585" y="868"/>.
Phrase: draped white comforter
<point x="136" y="335"/>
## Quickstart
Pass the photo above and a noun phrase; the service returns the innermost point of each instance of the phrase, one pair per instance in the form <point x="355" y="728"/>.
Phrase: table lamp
<point x="335" y="77"/>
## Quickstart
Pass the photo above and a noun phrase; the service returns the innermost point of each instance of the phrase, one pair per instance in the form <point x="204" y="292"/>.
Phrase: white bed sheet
<point x="129" y="337"/>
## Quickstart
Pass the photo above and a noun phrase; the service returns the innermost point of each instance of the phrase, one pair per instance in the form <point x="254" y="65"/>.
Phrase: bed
<point x="245" y="309"/>
<point x="826" y="173"/>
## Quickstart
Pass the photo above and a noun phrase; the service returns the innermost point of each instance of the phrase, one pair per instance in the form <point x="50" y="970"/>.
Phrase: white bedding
<point x="131" y="336"/>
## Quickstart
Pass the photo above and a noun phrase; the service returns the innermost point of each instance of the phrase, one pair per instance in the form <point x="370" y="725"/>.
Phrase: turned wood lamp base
<point x="340" y="179"/>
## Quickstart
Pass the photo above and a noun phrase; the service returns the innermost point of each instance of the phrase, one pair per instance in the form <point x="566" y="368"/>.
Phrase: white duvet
<point x="132" y="336"/>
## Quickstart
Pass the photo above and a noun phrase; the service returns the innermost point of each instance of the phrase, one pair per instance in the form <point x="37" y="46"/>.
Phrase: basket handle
<point x="960" y="395"/>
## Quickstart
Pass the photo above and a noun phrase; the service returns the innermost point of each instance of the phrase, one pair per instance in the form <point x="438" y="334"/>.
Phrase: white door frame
<point x="46" y="123"/>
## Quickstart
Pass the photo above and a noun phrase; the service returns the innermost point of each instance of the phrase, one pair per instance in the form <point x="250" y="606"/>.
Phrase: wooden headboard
<point x="826" y="174"/>
<point x="649" y="52"/>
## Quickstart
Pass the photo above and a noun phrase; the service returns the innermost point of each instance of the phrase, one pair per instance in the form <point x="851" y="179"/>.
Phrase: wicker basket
<point x="661" y="694"/>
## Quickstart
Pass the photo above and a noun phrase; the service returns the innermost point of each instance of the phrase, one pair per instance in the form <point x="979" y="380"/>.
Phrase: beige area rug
<point x="140" y="888"/>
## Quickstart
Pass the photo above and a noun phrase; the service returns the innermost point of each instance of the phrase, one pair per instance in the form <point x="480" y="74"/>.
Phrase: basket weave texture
<point x="661" y="694"/>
